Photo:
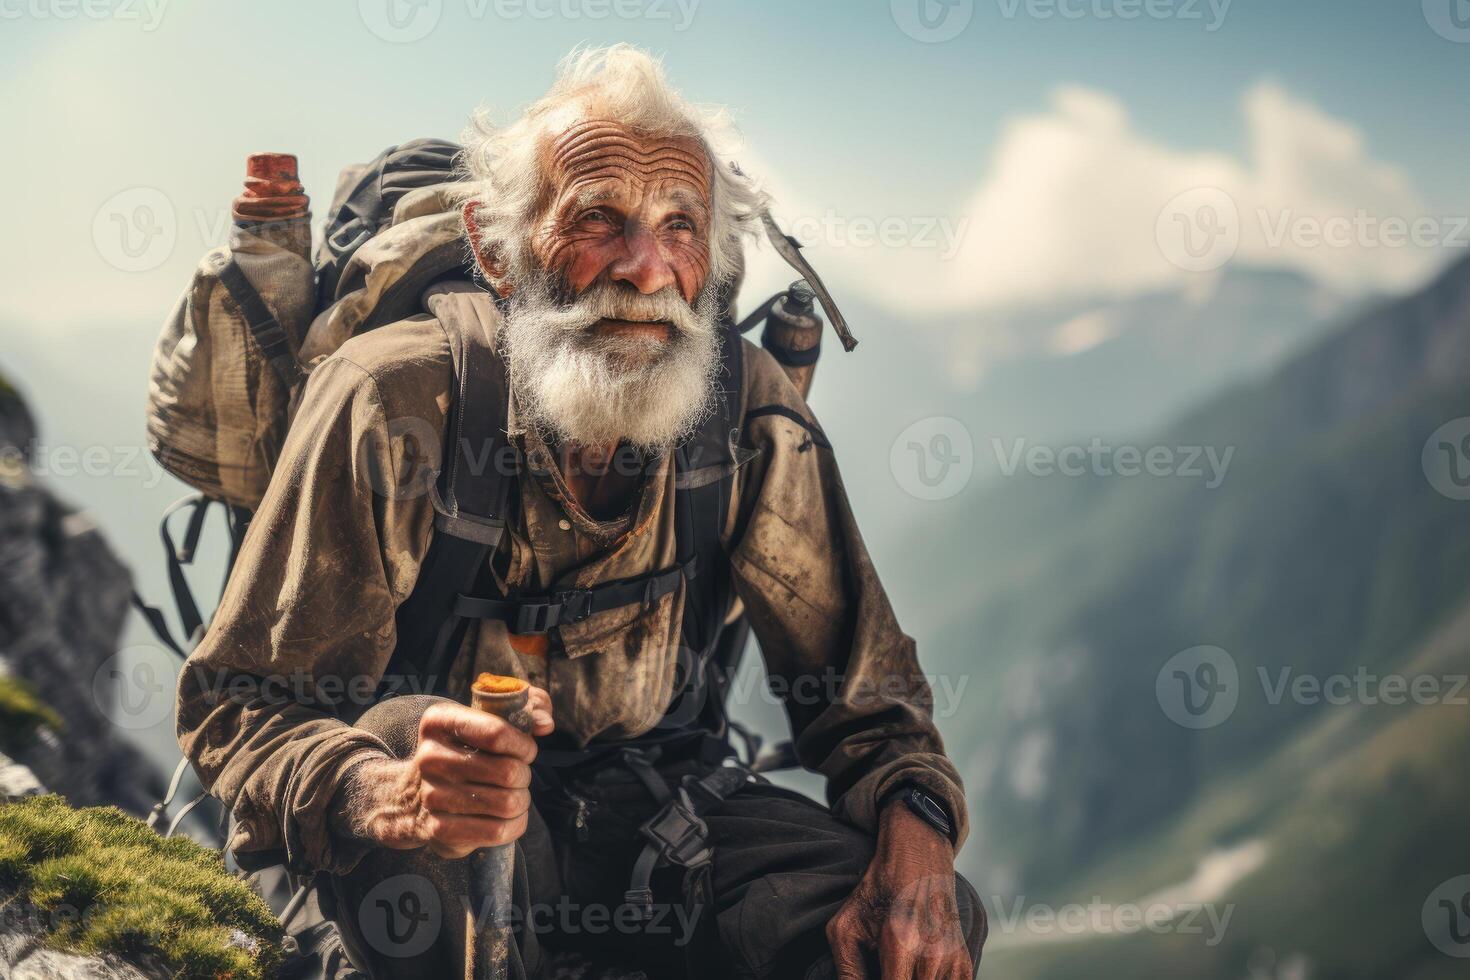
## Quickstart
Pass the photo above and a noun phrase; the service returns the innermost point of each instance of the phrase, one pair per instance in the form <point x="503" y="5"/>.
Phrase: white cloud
<point x="1070" y="201"/>
<point x="1083" y="332"/>
<point x="1064" y="208"/>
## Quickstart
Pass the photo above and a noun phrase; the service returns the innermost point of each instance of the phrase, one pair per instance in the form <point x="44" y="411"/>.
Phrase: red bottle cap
<point x="272" y="190"/>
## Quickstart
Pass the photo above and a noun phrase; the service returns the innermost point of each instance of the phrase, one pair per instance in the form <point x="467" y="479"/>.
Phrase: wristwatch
<point x="926" y="807"/>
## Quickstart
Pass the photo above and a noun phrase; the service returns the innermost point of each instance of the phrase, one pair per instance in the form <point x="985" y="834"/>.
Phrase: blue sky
<point x="1375" y="62"/>
<point x="840" y="106"/>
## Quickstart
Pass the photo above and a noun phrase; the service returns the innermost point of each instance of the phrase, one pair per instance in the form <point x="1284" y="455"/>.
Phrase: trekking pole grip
<point x="492" y="869"/>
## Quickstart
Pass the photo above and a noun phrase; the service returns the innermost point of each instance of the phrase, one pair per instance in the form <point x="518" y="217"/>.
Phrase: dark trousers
<point x="783" y="866"/>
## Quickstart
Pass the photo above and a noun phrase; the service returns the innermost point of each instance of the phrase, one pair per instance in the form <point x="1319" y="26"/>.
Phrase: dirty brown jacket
<point x="305" y="629"/>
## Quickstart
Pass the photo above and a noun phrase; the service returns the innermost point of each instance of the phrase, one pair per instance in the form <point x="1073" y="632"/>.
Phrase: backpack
<point x="233" y="357"/>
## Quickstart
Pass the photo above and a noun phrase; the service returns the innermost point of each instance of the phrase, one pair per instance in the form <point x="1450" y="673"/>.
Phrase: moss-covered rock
<point x="98" y="881"/>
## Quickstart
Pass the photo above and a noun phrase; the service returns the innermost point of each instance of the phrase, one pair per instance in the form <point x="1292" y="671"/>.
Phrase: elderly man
<point x="607" y="227"/>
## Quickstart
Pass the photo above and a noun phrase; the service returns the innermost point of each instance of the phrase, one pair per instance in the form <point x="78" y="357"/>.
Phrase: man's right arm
<point x="305" y="626"/>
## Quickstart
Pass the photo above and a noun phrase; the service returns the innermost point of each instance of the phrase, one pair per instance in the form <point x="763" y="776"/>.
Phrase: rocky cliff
<point x="63" y="597"/>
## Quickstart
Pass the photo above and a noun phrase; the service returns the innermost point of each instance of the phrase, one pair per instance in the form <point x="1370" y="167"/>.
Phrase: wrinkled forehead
<point x="597" y="157"/>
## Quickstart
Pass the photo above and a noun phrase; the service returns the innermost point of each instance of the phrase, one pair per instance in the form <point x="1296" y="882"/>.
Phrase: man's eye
<point x="681" y="224"/>
<point x="596" y="216"/>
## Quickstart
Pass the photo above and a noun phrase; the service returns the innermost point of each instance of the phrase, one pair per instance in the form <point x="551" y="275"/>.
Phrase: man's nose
<point x="642" y="265"/>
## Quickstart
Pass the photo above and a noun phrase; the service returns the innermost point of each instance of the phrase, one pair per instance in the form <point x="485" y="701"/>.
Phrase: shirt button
<point x="564" y="524"/>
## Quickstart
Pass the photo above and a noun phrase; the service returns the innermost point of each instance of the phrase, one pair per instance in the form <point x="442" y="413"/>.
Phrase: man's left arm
<point x="861" y="710"/>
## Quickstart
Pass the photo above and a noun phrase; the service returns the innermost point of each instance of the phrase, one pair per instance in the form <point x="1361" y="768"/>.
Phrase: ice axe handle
<point x="492" y="869"/>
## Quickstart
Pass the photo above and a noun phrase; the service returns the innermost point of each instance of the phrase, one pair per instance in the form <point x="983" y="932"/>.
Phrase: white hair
<point x="505" y="171"/>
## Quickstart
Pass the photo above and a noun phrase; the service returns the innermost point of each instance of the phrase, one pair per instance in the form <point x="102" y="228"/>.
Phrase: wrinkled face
<point x="615" y="339"/>
<point x="634" y="207"/>
<point x="627" y="209"/>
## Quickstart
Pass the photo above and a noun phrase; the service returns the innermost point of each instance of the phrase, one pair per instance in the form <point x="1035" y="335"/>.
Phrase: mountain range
<point x="1331" y="560"/>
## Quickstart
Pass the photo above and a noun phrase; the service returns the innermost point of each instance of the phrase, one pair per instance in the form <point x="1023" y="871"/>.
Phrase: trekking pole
<point x="492" y="869"/>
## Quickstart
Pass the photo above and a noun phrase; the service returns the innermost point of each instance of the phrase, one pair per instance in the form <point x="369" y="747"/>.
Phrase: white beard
<point x="588" y="390"/>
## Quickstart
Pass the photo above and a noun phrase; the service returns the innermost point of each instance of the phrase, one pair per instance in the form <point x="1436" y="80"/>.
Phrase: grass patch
<point x="21" y="714"/>
<point x="100" y="881"/>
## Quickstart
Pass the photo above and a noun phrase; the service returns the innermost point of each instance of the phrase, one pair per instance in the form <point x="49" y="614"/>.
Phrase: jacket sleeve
<point x="861" y="710"/>
<point x="305" y="628"/>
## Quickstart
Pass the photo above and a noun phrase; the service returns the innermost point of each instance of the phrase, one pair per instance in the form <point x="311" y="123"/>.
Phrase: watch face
<point x="933" y="809"/>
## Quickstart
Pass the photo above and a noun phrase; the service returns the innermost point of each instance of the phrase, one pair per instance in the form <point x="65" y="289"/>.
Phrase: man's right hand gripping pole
<point x="467" y="786"/>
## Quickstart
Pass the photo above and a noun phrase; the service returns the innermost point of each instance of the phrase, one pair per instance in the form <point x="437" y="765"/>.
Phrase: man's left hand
<point x="902" y="921"/>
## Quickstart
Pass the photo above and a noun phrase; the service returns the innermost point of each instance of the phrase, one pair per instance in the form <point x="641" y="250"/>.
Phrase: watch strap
<point x="926" y="806"/>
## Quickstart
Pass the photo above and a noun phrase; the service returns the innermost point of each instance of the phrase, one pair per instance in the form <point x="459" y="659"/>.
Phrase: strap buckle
<point x="536" y="617"/>
<point x="576" y="605"/>
<point x="544" y="615"/>
<point x="678" y="834"/>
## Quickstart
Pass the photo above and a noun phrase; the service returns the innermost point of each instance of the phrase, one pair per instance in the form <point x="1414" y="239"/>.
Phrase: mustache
<point x="607" y="300"/>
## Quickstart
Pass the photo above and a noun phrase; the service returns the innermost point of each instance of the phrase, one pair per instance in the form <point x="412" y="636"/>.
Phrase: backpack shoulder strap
<point x="471" y="498"/>
<point x="479" y="467"/>
<point x="704" y="488"/>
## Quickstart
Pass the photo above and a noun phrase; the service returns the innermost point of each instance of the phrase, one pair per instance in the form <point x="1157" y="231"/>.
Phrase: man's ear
<point x="491" y="269"/>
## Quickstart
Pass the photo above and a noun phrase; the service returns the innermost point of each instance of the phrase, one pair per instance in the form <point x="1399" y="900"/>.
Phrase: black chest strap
<point x="540" y="614"/>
